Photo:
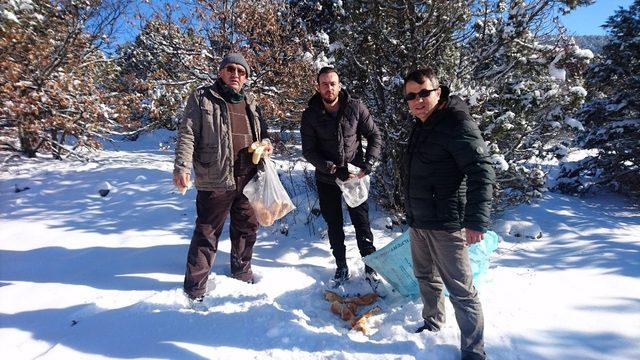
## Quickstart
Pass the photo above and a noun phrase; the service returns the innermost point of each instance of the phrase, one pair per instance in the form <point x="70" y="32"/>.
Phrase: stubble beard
<point x="329" y="101"/>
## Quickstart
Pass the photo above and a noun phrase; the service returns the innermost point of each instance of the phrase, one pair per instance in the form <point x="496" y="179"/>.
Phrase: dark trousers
<point x="212" y="209"/>
<point x="330" y="197"/>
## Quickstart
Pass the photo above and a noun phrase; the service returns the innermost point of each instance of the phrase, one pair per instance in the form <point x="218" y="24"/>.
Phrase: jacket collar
<point x="213" y="90"/>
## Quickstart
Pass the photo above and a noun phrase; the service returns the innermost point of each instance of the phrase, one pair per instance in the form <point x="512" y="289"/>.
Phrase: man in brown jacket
<point x="220" y="122"/>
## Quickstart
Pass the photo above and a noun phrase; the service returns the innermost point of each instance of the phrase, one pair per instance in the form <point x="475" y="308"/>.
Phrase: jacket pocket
<point x="207" y="155"/>
<point x="447" y="204"/>
<point x="423" y="203"/>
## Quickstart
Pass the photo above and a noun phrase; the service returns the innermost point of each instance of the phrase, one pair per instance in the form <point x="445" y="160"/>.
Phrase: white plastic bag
<point x="355" y="191"/>
<point x="267" y="196"/>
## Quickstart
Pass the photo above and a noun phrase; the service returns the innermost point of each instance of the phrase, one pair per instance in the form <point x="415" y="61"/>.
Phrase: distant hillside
<point x="592" y="42"/>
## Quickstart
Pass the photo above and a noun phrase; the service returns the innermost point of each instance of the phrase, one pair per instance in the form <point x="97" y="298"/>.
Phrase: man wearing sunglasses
<point x="220" y="122"/>
<point x="448" y="189"/>
<point x="332" y="129"/>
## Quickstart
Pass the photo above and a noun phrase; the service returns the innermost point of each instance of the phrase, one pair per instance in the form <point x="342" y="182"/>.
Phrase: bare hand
<point x="361" y="174"/>
<point x="181" y="180"/>
<point x="268" y="148"/>
<point x="473" y="236"/>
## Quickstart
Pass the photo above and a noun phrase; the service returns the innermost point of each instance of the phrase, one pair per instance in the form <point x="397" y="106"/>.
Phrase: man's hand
<point x="473" y="236"/>
<point x="181" y="180"/>
<point x="361" y="174"/>
<point x="260" y="150"/>
<point x="343" y="174"/>
<point x="268" y="148"/>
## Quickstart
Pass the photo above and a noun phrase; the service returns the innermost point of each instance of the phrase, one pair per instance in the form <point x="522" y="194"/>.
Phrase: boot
<point x="342" y="274"/>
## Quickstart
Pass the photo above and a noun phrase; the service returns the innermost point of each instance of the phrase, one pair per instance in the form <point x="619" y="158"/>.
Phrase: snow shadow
<point x="69" y="200"/>
<point x="566" y="344"/>
<point x="623" y="305"/>
<point x="97" y="267"/>
<point x="159" y="331"/>
<point x="565" y="221"/>
<point x="123" y="268"/>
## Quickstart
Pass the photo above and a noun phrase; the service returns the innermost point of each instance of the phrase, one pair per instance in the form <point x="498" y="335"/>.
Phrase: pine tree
<point x="375" y="44"/>
<point x="163" y="65"/>
<point x="522" y="92"/>
<point x="612" y="115"/>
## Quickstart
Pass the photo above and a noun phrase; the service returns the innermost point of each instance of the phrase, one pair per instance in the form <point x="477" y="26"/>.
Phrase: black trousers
<point x="212" y="208"/>
<point x="330" y="197"/>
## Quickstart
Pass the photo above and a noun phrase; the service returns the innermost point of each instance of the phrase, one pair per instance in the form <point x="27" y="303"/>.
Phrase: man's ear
<point x="442" y="96"/>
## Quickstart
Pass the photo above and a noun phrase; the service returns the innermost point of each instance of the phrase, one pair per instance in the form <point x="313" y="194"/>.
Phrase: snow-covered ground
<point x="85" y="276"/>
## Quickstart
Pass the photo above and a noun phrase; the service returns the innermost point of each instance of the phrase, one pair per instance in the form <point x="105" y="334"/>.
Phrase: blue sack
<point x="393" y="262"/>
<point x="480" y="254"/>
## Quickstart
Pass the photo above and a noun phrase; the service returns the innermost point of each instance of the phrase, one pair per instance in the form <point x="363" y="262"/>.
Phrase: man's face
<point x="234" y="75"/>
<point x="329" y="87"/>
<point x="421" y="107"/>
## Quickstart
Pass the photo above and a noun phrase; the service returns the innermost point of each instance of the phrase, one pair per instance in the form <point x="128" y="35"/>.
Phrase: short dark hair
<point x="420" y="76"/>
<point x="326" y="70"/>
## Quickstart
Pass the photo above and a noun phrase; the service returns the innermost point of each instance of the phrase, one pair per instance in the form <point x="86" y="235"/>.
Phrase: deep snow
<point x="85" y="276"/>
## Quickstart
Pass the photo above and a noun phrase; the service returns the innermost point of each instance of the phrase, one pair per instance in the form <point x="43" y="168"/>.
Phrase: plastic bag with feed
<point x="355" y="191"/>
<point x="267" y="196"/>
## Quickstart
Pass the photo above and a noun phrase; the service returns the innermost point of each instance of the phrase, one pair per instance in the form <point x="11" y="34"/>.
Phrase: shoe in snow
<point x="196" y="302"/>
<point x="342" y="275"/>
<point x="427" y="326"/>
<point x="374" y="280"/>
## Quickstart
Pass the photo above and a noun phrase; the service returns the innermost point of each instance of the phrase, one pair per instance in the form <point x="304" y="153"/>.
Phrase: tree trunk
<point x="56" y="150"/>
<point x="27" y="142"/>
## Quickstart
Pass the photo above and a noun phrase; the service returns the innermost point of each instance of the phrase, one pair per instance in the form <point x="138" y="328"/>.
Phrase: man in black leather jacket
<point x="332" y="129"/>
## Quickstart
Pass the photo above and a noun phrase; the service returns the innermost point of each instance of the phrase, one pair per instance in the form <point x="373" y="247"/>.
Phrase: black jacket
<point x="327" y="141"/>
<point x="449" y="175"/>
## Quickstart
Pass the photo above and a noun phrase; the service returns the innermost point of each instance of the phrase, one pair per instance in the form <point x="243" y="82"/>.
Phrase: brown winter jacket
<point x="204" y="139"/>
<point x="327" y="141"/>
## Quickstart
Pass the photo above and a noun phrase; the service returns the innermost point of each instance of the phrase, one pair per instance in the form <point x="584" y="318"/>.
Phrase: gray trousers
<point x="442" y="258"/>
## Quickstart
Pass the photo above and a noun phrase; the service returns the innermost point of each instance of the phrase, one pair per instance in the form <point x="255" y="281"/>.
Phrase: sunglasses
<point x="422" y="94"/>
<point x="233" y="69"/>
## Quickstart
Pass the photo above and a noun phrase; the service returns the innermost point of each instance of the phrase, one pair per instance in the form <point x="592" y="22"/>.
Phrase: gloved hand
<point x="342" y="173"/>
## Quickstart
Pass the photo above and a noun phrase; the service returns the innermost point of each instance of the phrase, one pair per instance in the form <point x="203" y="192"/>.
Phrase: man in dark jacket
<point x="449" y="186"/>
<point x="220" y="122"/>
<point x="332" y="129"/>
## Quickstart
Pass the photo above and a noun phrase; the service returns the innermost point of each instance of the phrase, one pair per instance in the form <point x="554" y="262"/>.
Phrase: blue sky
<point x="587" y="20"/>
<point x="584" y="20"/>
